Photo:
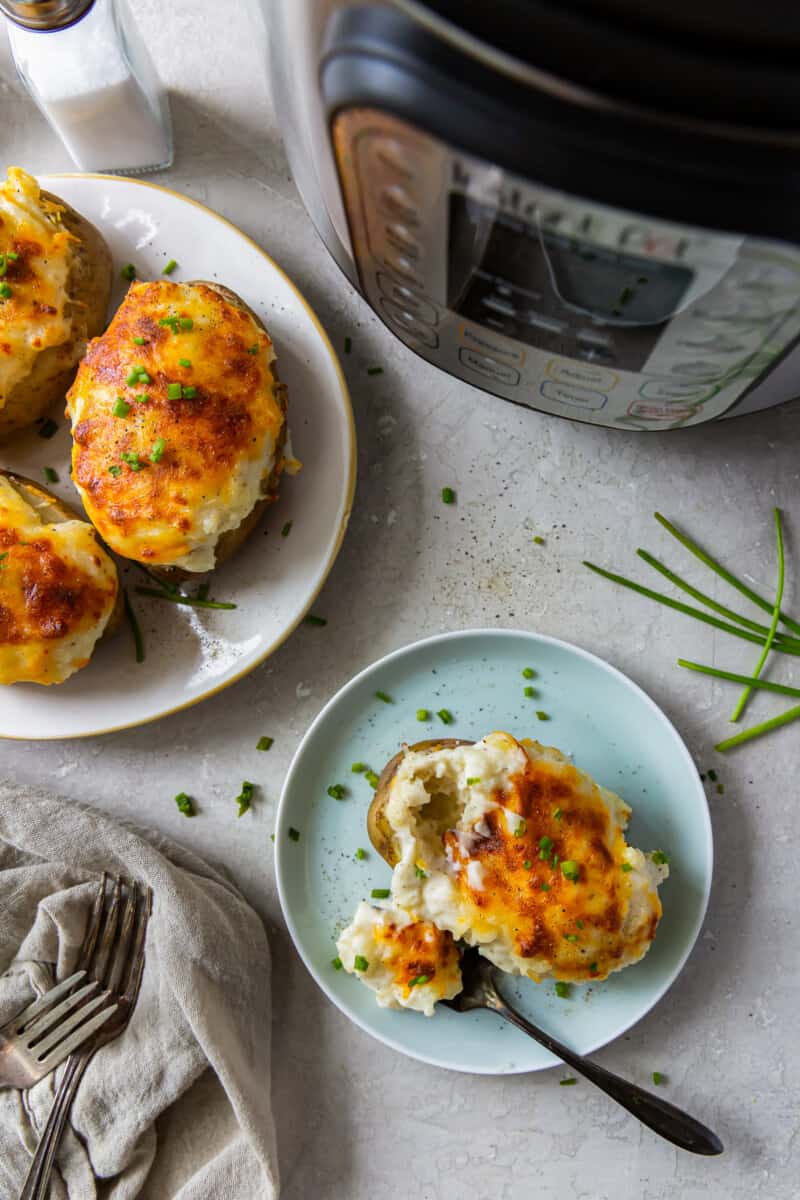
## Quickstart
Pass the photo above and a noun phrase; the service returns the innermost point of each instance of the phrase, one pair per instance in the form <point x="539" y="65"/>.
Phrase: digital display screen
<point x="550" y="289"/>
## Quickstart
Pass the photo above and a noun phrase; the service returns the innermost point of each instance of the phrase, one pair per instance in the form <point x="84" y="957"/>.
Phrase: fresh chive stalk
<point x="747" y="735"/>
<point x="136" y="629"/>
<point x="179" y="598"/>
<point x="767" y="685"/>
<point x="776" y="614"/>
<point x="681" y="583"/>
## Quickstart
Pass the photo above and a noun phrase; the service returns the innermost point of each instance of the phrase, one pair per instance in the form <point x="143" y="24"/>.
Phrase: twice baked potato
<point x="178" y="425"/>
<point x="379" y="828"/>
<point x="55" y="281"/>
<point x="59" y="591"/>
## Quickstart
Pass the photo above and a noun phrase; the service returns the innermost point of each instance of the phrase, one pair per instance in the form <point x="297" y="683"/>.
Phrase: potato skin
<point x="215" y="443"/>
<point x="89" y="289"/>
<point x="378" y="828"/>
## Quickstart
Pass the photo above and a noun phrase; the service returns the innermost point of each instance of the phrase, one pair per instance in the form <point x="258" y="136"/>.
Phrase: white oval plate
<point x="614" y="731"/>
<point x="193" y="653"/>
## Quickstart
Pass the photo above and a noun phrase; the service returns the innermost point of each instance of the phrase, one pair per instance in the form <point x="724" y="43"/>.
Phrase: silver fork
<point x="34" y="1042"/>
<point x="112" y="953"/>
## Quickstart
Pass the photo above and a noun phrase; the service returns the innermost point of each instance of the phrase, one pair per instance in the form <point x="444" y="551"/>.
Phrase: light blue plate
<point x="610" y="728"/>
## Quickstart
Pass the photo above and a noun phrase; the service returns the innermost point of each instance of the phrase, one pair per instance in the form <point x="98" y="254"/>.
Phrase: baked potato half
<point x="179" y="427"/>
<point x="59" y="591"/>
<point x="378" y="828"/>
<point x="55" y="282"/>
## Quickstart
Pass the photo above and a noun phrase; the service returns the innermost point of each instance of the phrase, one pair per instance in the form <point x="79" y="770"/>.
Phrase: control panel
<point x="566" y="306"/>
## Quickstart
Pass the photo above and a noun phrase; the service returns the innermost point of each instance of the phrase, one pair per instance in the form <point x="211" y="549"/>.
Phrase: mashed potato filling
<point x="407" y="963"/>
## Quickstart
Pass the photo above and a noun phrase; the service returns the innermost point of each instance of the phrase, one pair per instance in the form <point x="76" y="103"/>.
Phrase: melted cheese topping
<point x="35" y="316"/>
<point x="524" y="855"/>
<point x="219" y="444"/>
<point x="58" y="588"/>
<point x="410" y="963"/>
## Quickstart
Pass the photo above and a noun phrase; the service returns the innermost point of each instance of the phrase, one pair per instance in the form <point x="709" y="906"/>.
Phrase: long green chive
<point x="158" y="450"/>
<point x="245" y="797"/>
<point x="128" y="272"/>
<point x="361" y="853"/>
<point x="358" y="768"/>
<point x="786" y="646"/>
<point x="385" y="697"/>
<point x="47" y="429"/>
<point x="708" y="601"/>
<point x="747" y="735"/>
<point x="121" y="407"/>
<point x="180" y="598"/>
<point x="360" y="963"/>
<point x="380" y="893"/>
<point x="418" y="980"/>
<point x="776" y="614"/>
<point x="174" y="391"/>
<point x="448" y="495"/>
<point x="185" y="804"/>
<point x="371" y="778"/>
<point x="264" y="743"/>
<point x="570" y="870"/>
<point x="337" y="963"/>
<point x="287" y="529"/>
<point x="337" y="791"/>
<point x="136" y="629"/>
<point x="170" y="267"/>
<point x="562" y="989"/>
<point x="767" y="685"/>
<point x="50" y="475"/>
<point x="311" y="619"/>
<point x="445" y="716"/>
<point x="423" y="714"/>
<point x="294" y="834"/>
<point x="723" y="572"/>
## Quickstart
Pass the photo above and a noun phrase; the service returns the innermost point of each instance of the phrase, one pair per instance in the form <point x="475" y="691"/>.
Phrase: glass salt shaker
<point x="91" y="75"/>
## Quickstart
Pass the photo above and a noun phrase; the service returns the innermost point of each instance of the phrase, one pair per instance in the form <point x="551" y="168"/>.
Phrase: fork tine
<point x="124" y="940"/>
<point x="44" y="1002"/>
<point x="76" y="1039"/>
<point x="72" y="1022"/>
<point x="50" y="1018"/>
<point x="93" y="926"/>
<point x="103" y="949"/>
<point x="137" y="953"/>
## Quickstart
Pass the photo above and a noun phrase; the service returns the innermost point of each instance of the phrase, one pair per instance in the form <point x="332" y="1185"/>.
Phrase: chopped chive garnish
<point x="128" y="272"/>
<point x="545" y="845"/>
<point x="115" y="470"/>
<point x="568" y="1082"/>
<point x="136" y="629"/>
<point x="659" y="858"/>
<point x="557" y="814"/>
<point x="12" y="256"/>
<point x="374" y="370"/>
<point x="184" y="362"/>
<point x="294" y="834"/>
<point x="543" y="716"/>
<point x="358" y="768"/>
<point x="361" y="853"/>
<point x="3" y="558"/>
<point x="158" y="450"/>
<point x="5" y="291"/>
<point x="570" y="870"/>
<point x="445" y="716"/>
<point x="337" y="791"/>
<point x="174" y="391"/>
<point x="133" y="462"/>
<point x="264" y="743"/>
<point x="311" y="619"/>
<point x="169" y="323"/>
<point x="371" y="778"/>
<point x="185" y="804"/>
<point x="170" y="267"/>
<point x="528" y="673"/>
<point x="570" y="937"/>
<point x="473" y="779"/>
<point x="336" y="963"/>
<point x="712" y="774"/>
<point x="544" y="887"/>
<point x="659" y="1078"/>
<point x="527" y="864"/>
<point x="142" y="398"/>
<point x="423" y="714"/>
<point x="627" y="867"/>
<point x="380" y="893"/>
<point x="50" y="475"/>
<point x="448" y="495"/>
<point x="385" y="697"/>
<point x="539" y="540"/>
<point x="418" y="871"/>
<point x="139" y="341"/>
<point x="348" y="345"/>
<point x="189" y="393"/>
<point x="720" y="789"/>
<point x="579" y="924"/>
<point x="244" y="798"/>
<point x="554" y="862"/>
<point x="137" y="375"/>
<point x="593" y="968"/>
<point x="287" y="529"/>
<point x="186" y="322"/>
<point x="521" y="827"/>
<point x="360" y="963"/>
<point x="175" y="597"/>
<point x="562" y="989"/>
<point x="530" y="692"/>
<point x="121" y="407"/>
<point x="418" y="980"/>
<point x="252" y="349"/>
<point x="47" y="428"/>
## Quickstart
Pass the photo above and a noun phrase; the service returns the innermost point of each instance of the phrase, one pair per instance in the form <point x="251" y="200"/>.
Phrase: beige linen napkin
<point x="179" y="1105"/>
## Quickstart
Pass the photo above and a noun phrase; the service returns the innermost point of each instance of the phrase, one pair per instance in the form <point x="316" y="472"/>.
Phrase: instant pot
<point x="588" y="208"/>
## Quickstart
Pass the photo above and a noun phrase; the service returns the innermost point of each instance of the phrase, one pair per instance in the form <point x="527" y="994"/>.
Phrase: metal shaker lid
<point x="45" y="14"/>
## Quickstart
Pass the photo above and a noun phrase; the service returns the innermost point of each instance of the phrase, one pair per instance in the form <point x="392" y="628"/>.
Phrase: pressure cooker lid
<point x="730" y="61"/>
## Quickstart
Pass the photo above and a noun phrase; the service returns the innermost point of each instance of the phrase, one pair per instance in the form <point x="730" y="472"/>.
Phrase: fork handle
<point x="659" y="1115"/>
<point x="37" y="1182"/>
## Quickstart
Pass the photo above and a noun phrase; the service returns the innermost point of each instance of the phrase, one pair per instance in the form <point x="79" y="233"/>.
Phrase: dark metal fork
<point x="113" y="954"/>
<point x="479" y="977"/>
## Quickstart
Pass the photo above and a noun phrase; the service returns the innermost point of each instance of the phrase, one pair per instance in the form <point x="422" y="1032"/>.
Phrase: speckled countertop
<point x="355" y="1120"/>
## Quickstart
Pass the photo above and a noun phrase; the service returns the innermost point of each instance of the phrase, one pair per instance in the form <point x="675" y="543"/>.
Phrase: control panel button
<point x="676" y="391"/>
<point x="402" y="266"/>
<point x="499" y="305"/>
<point x="410" y="324"/>
<point x="477" y="339"/>
<point x="547" y="324"/>
<point x="660" y="412"/>
<point x="566" y="370"/>
<point x="397" y="203"/>
<point x="401" y="237"/>
<point x="404" y="297"/>
<point x="391" y="154"/>
<point x="578" y="397"/>
<point x="489" y="367"/>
